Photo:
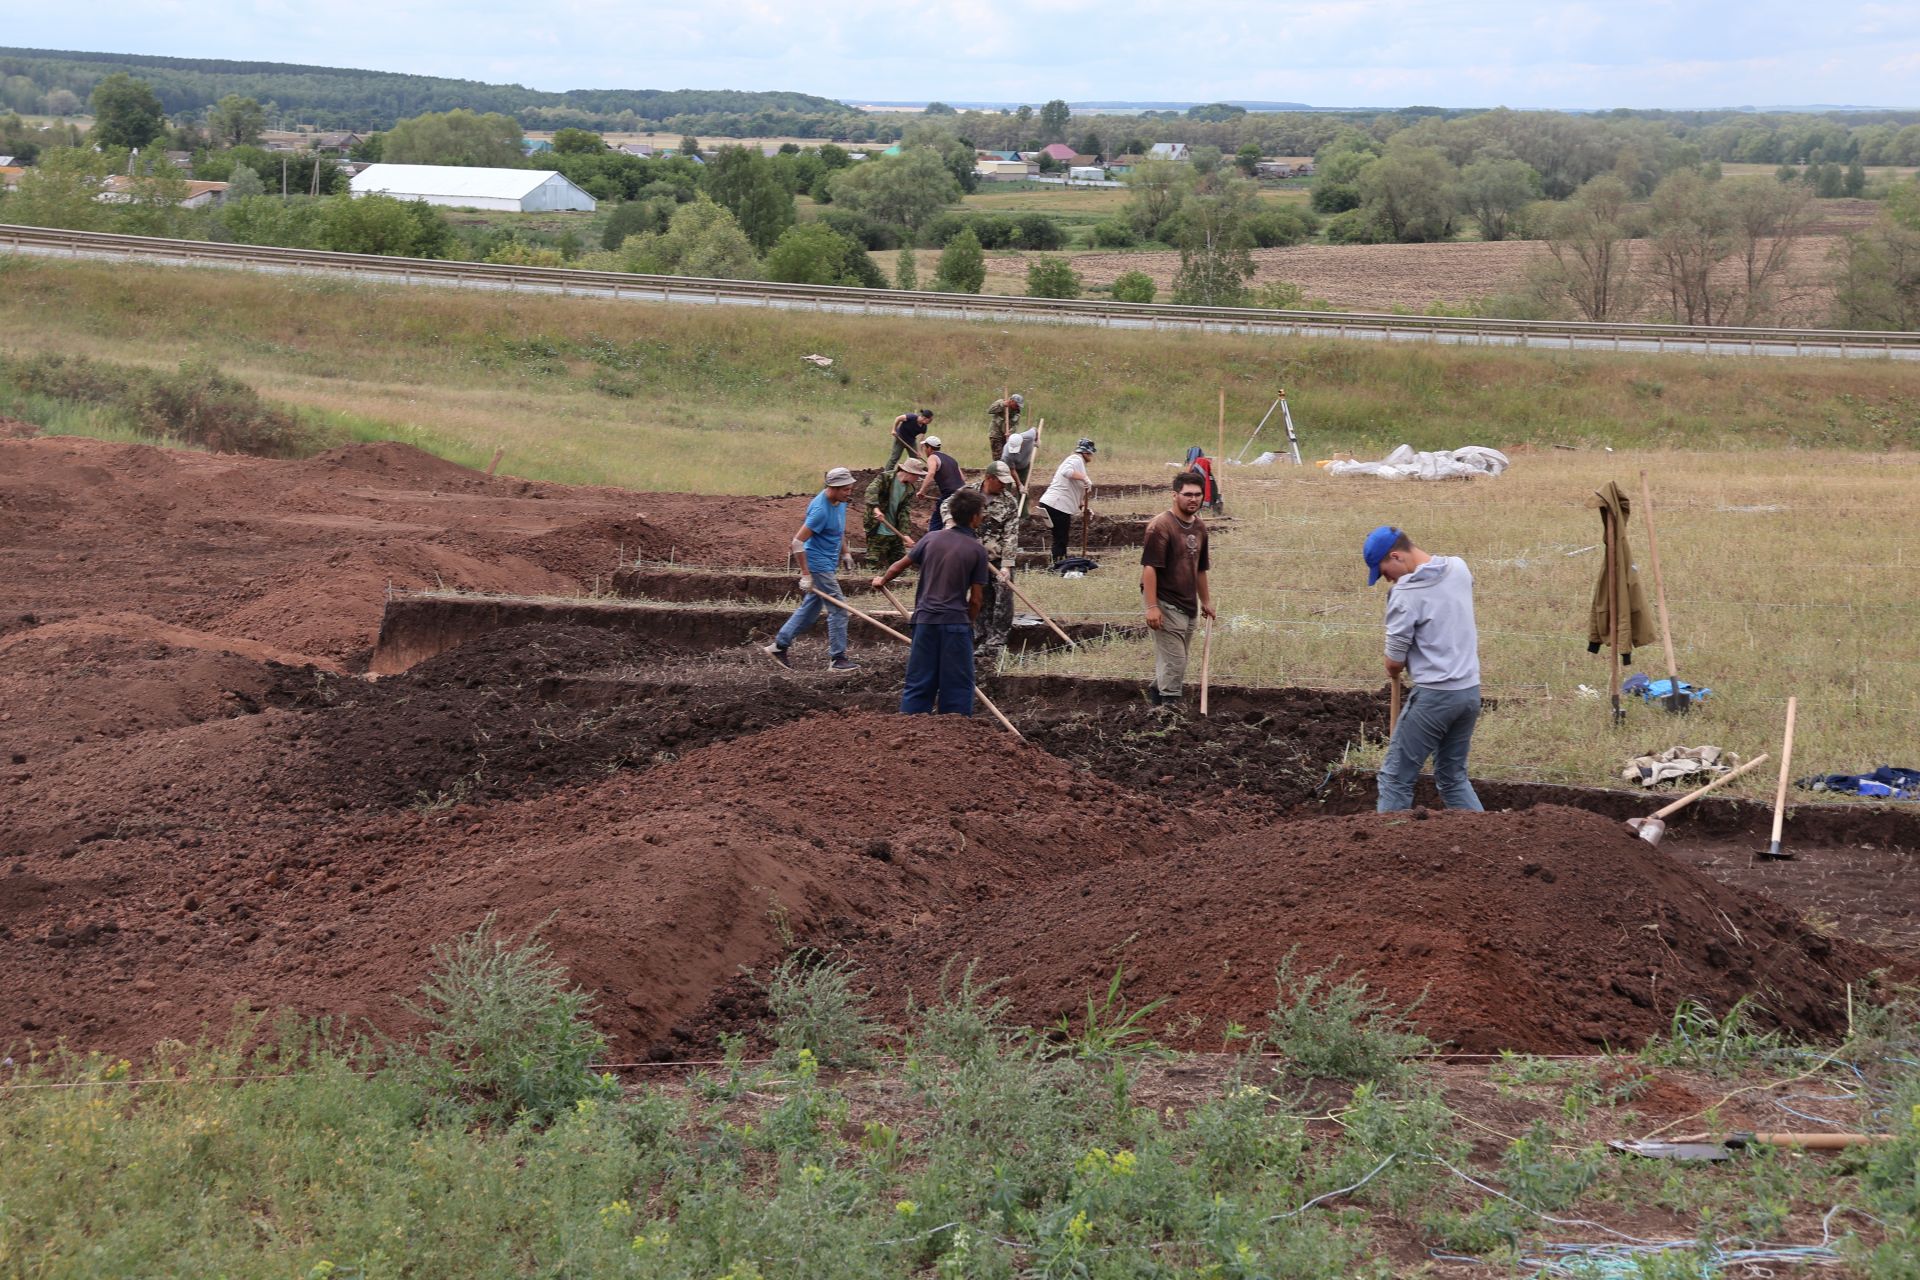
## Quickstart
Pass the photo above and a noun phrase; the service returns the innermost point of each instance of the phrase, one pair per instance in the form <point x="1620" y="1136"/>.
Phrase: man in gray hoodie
<point x="1431" y="635"/>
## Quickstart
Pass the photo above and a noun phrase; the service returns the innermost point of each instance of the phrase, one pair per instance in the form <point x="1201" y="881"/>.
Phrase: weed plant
<point x="1338" y="1029"/>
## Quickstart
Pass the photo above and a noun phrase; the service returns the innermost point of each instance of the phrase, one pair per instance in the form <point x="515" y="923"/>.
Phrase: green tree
<point x="745" y="184"/>
<point x="962" y="267"/>
<point x="1878" y="285"/>
<point x="155" y="195"/>
<point x="1054" y="119"/>
<point x="1155" y="189"/>
<point x="1051" y="277"/>
<point x="382" y="224"/>
<point x="1336" y="171"/>
<point x="1410" y="191"/>
<point x="1589" y="263"/>
<point x="938" y="109"/>
<point x="906" y="271"/>
<point x="1134" y="286"/>
<point x="1247" y="158"/>
<point x="235" y="121"/>
<point x="907" y="190"/>
<point x="1856" y="181"/>
<point x="1691" y="233"/>
<point x="1216" y="259"/>
<point x="62" y="103"/>
<point x="1494" y="192"/>
<point x="457" y="137"/>
<point x="690" y="147"/>
<point x="244" y="183"/>
<point x="702" y="239"/>
<point x="813" y="253"/>
<point x="632" y="217"/>
<point x="578" y="142"/>
<point x="61" y="190"/>
<point x="1215" y="112"/>
<point x="126" y="113"/>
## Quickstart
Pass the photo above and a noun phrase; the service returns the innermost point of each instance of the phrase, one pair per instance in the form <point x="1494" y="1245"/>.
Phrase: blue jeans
<point x="941" y="661"/>
<point x="809" y="612"/>
<point x="1437" y="723"/>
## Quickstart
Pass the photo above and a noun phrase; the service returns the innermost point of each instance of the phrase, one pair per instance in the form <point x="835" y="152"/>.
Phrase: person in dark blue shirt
<point x="953" y="584"/>
<point x="943" y="474"/>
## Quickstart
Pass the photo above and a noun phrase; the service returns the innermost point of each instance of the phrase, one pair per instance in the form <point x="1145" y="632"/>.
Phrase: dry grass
<point x="1788" y="574"/>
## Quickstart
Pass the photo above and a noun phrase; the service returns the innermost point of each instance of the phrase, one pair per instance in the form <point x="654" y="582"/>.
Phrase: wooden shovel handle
<point x="1786" y="763"/>
<point x="1720" y="781"/>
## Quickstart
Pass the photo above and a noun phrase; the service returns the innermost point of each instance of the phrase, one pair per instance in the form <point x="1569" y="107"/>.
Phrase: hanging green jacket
<point x="1629" y="600"/>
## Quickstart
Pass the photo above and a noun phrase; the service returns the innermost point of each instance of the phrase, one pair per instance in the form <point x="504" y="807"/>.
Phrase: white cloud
<point x="1584" y="53"/>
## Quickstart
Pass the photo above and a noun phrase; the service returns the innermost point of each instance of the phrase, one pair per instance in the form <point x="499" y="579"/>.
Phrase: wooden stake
<point x="1780" y="792"/>
<point x="1393" y="707"/>
<point x="1659" y="584"/>
<point x="497" y="455"/>
<point x="1220" y="442"/>
<point x="1206" y="664"/>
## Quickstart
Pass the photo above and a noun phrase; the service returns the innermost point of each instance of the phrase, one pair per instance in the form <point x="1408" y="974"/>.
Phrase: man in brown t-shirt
<point x="1173" y="584"/>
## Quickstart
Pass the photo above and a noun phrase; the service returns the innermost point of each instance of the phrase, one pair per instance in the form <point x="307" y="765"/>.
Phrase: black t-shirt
<point x="910" y="428"/>
<point x="947" y="475"/>
<point x="951" y="561"/>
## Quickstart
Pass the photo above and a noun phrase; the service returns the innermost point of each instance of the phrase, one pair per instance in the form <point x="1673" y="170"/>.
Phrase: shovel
<point x="1651" y="829"/>
<point x="1726" y="1147"/>
<point x="1773" y="849"/>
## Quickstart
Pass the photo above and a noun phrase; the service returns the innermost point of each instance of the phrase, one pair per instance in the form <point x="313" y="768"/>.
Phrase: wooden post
<point x="495" y="462"/>
<point x="1220" y="440"/>
<point x="1206" y="664"/>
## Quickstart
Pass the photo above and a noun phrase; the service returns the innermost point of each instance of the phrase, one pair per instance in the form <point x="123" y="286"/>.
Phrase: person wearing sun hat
<point x="821" y="543"/>
<point x="1431" y="635"/>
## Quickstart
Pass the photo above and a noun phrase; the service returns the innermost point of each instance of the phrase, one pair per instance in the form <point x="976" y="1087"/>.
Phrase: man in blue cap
<point x="1432" y="636"/>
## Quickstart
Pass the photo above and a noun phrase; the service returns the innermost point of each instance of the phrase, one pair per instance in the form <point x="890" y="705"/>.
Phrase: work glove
<point x="799" y="546"/>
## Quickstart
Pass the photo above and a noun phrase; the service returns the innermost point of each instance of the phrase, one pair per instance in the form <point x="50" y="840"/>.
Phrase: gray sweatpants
<point x="1170" y="645"/>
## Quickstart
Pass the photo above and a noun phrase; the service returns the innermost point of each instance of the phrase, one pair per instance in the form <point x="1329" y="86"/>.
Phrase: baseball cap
<point x="1002" y="472"/>
<point x="933" y="442"/>
<point x="913" y="466"/>
<point x="839" y="477"/>
<point x="1085" y="446"/>
<point x="1375" y="549"/>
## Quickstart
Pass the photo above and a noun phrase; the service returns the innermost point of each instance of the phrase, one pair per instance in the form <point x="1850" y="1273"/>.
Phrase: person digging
<point x="1003" y="419"/>
<point x="821" y="542"/>
<point x="1017" y="453"/>
<point x="999" y="531"/>
<point x="1174" y="561"/>
<point x="953" y="583"/>
<point x="889" y="501"/>
<point x="1430" y="634"/>
<point x="1070" y="492"/>
<point x="907" y="430"/>
<point x="943" y="475"/>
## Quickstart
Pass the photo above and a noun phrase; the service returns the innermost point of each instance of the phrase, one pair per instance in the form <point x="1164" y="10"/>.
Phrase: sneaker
<point x="1153" y="695"/>
<point x="843" y="663"/>
<point x="778" y="654"/>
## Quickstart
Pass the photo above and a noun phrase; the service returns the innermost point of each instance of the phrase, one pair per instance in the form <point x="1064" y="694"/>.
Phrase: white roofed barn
<point x="460" y="187"/>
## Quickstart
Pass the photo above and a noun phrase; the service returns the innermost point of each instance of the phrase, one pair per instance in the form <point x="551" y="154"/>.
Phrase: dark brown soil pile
<point x="1546" y="930"/>
<point x="659" y="886"/>
<point x="1270" y="759"/>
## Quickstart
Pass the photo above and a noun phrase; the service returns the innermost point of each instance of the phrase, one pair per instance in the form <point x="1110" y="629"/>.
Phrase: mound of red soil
<point x="659" y="886"/>
<point x="1546" y="930"/>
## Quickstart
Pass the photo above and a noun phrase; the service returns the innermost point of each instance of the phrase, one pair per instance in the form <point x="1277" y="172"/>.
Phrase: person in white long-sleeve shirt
<point x="1068" y="496"/>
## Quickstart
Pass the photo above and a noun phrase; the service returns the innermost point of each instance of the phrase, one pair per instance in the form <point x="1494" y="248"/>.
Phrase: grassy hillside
<point x="719" y="400"/>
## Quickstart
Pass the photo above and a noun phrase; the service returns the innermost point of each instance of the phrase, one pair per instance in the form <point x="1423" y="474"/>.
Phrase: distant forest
<point x="340" y="98"/>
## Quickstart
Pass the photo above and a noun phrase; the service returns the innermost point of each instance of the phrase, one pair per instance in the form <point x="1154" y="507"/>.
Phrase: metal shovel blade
<point x="1774" y="853"/>
<point x="1648" y="829"/>
<point x="1679" y="702"/>
<point x="1674" y="1150"/>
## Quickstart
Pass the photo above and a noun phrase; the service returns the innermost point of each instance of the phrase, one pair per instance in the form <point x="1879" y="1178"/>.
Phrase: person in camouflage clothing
<point x="1003" y="419"/>
<point x="999" y="531"/>
<point x="890" y="494"/>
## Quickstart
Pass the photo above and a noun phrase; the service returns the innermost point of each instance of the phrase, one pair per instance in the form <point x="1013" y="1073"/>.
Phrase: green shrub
<point x="196" y="404"/>
<point x="1134" y="286"/>
<point x="1357" y="226"/>
<point x="1052" y="278"/>
<point x="1037" y="231"/>
<point x="1114" y="233"/>
<point x="962" y="267"/>
<point x="1338" y="1029"/>
<point x="508" y="1035"/>
<point x="817" y="1008"/>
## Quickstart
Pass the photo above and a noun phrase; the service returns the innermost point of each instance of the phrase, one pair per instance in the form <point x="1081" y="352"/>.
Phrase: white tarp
<point x="1404" y="464"/>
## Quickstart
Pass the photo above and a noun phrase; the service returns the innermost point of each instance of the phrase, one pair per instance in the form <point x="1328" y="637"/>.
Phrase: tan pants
<point x="1170" y="645"/>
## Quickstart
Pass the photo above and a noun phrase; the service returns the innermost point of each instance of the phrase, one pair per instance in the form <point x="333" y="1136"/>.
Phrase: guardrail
<point x="1550" y="335"/>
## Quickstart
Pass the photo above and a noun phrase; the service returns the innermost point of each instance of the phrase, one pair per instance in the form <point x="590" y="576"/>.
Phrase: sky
<point x="1447" y="53"/>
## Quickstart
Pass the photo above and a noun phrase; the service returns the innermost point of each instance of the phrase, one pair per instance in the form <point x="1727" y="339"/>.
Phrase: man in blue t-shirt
<point x="822" y="543"/>
<point x="953" y="584"/>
